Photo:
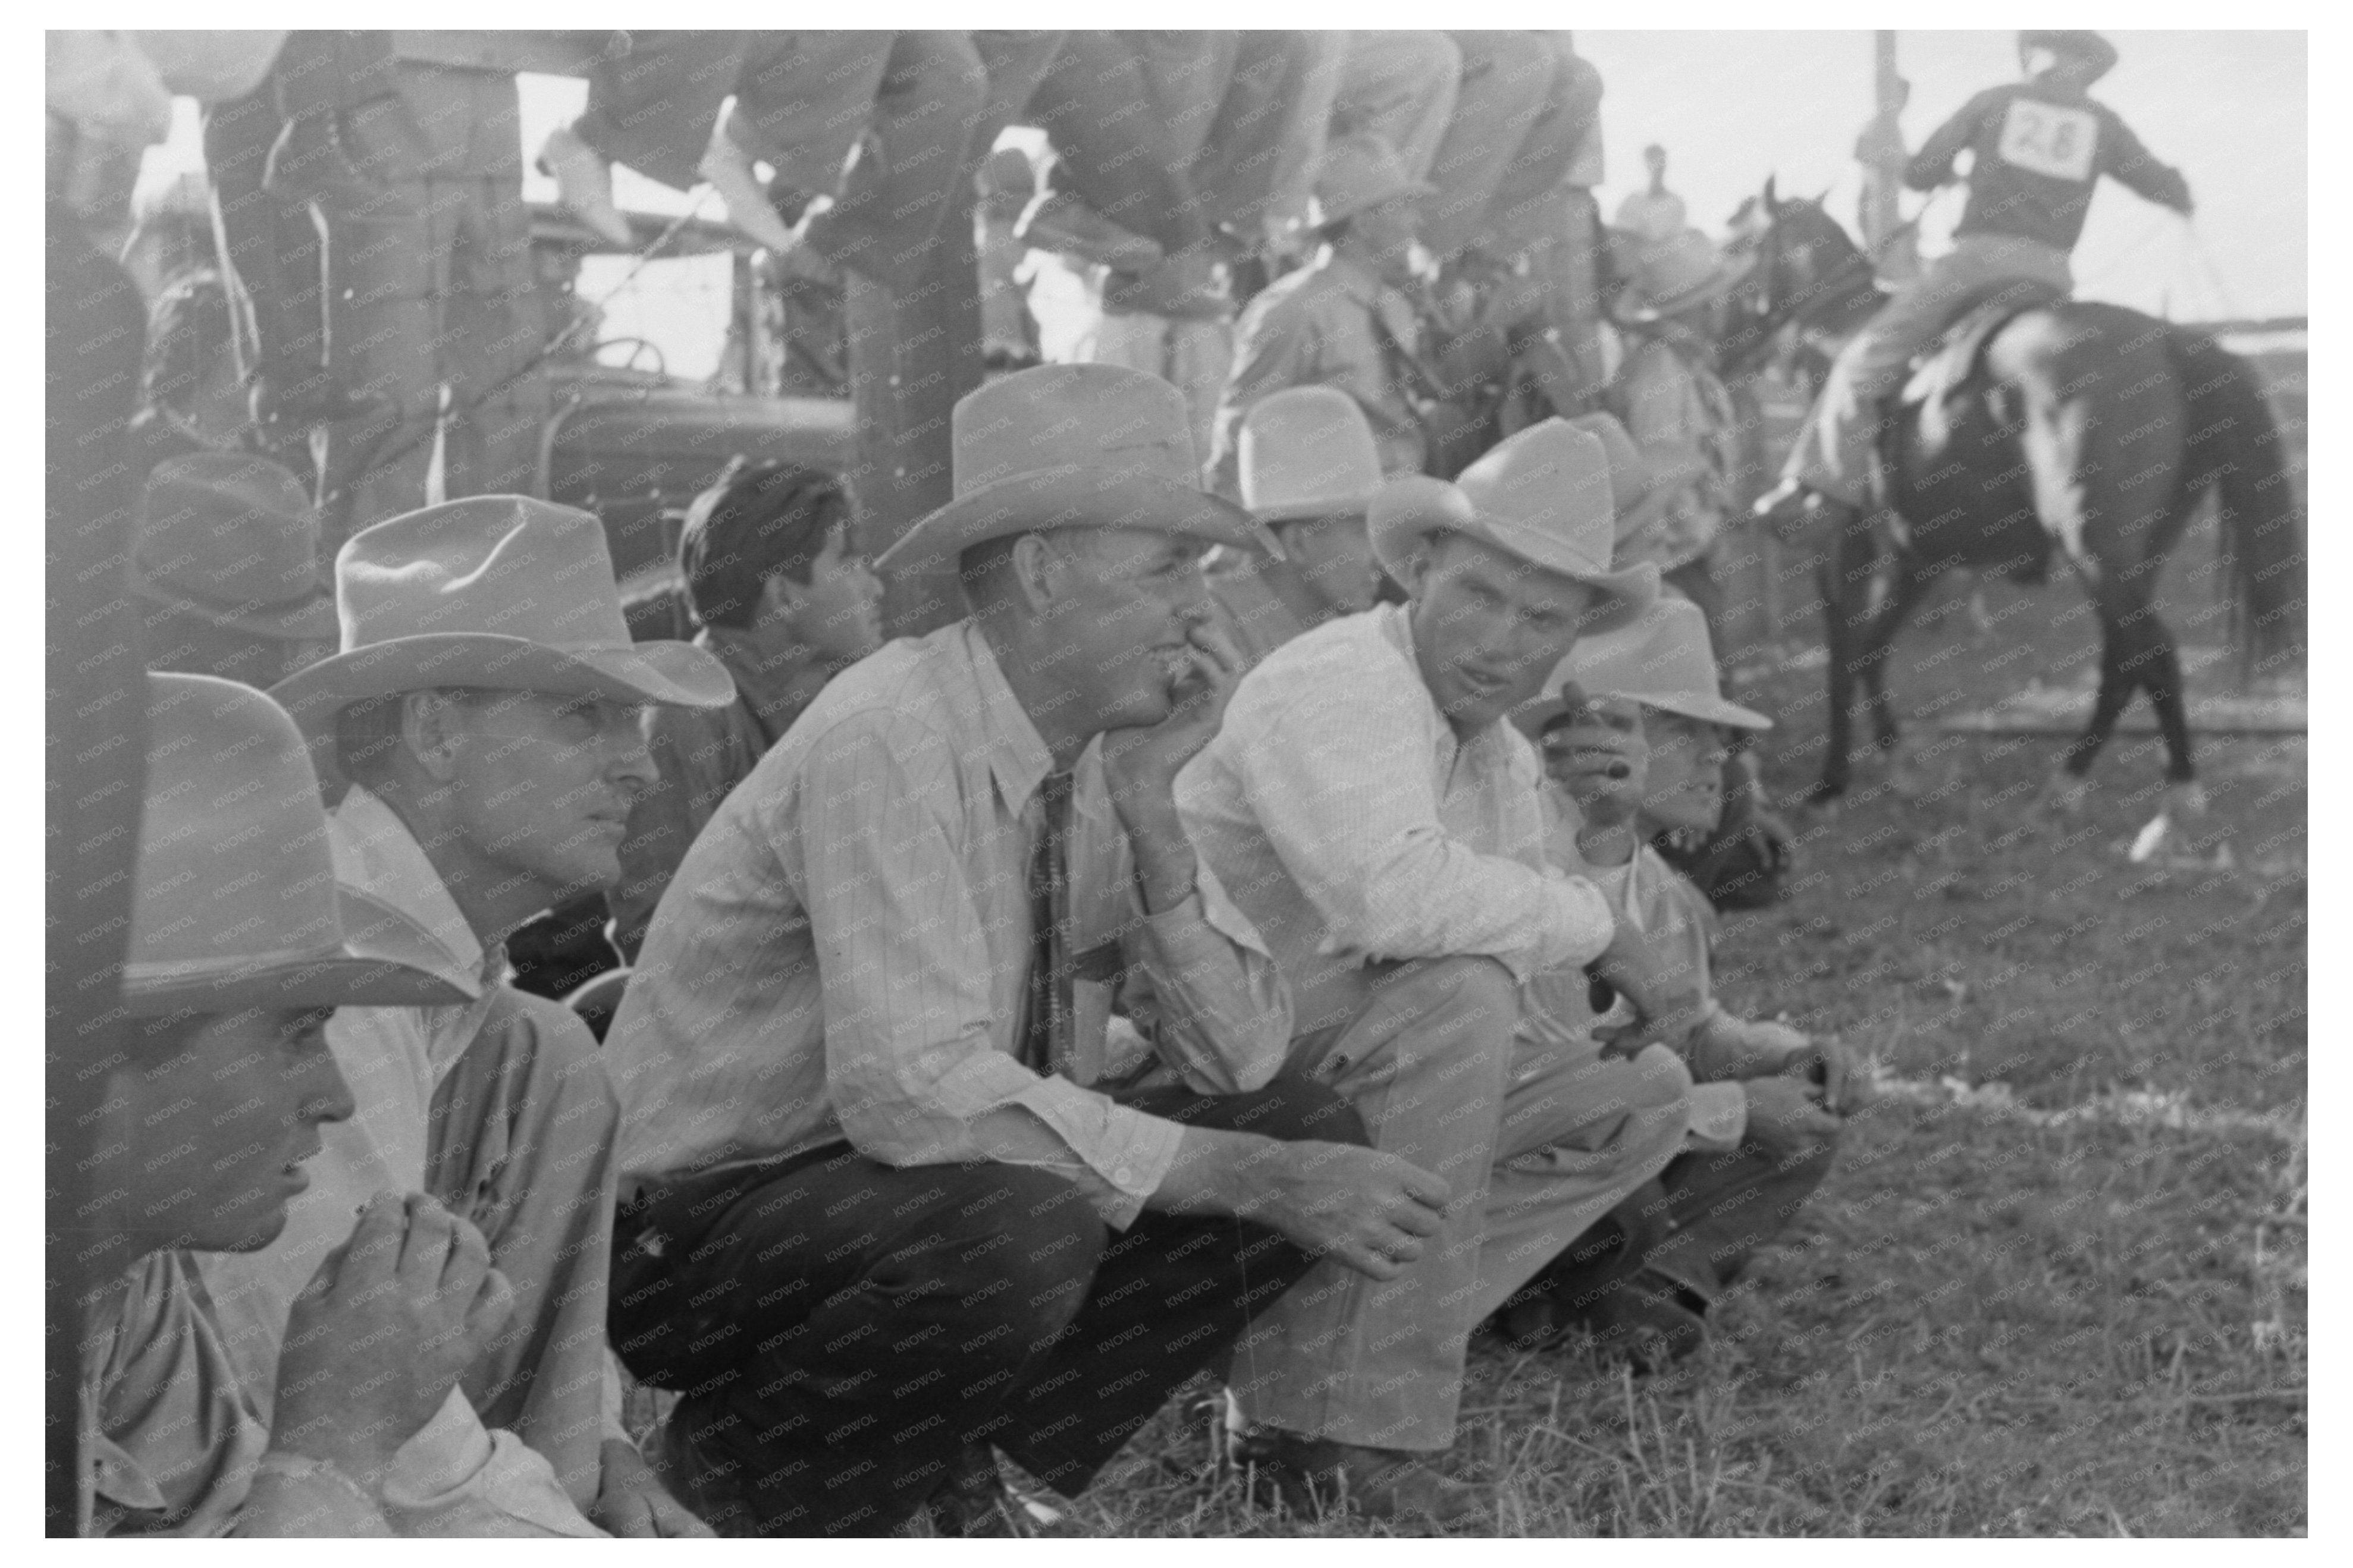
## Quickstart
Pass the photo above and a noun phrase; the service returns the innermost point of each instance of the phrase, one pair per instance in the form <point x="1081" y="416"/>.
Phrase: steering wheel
<point x="637" y="346"/>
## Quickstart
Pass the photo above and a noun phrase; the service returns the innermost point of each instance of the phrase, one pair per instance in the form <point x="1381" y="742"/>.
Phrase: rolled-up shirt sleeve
<point x="915" y="1076"/>
<point x="1341" y="783"/>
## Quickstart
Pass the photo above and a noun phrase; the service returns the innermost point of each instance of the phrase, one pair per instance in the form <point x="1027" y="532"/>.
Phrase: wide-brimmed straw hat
<point x="1071" y="445"/>
<point x="1307" y="451"/>
<point x="1543" y="497"/>
<point x="1640" y="491"/>
<point x="2075" y="43"/>
<point x="234" y="903"/>
<point x="502" y="591"/>
<point x="1359" y="171"/>
<point x="231" y="539"/>
<point x="1661" y="659"/>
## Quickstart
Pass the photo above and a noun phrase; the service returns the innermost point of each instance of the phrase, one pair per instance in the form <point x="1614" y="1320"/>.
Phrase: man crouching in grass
<point x="1631" y="733"/>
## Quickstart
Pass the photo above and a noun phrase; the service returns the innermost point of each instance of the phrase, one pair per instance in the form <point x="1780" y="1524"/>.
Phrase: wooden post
<point x="909" y="363"/>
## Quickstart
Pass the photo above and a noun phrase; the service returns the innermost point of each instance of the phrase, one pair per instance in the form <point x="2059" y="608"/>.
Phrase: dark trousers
<point x="840" y="1329"/>
<point x="1698" y="1224"/>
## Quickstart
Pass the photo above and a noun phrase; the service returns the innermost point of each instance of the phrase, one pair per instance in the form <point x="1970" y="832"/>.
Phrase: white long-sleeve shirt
<point x="1342" y="813"/>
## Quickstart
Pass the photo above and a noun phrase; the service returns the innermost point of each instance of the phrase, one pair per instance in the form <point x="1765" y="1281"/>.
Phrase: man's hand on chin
<point x="632" y="1502"/>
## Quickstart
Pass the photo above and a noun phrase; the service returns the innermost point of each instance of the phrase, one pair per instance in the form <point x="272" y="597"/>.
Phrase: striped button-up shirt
<point x="845" y="954"/>
<point x="1351" y="825"/>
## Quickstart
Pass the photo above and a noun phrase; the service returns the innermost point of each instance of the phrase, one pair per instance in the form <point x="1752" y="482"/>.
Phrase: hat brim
<point x="1633" y="305"/>
<point x="672" y="674"/>
<point x="1531" y="717"/>
<point x="387" y="960"/>
<point x="1294" y="511"/>
<point x="1404" y="513"/>
<point x="304" y="620"/>
<point x="1417" y="189"/>
<point x="1071" y="497"/>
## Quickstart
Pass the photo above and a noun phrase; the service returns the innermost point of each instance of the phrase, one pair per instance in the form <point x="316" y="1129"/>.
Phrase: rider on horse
<point x="2041" y="146"/>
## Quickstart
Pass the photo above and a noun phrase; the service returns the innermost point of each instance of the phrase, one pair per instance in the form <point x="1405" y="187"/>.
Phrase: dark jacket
<point x="2041" y="150"/>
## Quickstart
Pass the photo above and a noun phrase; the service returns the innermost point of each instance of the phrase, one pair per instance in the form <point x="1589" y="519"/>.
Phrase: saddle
<point x="1948" y="377"/>
<point x="1951" y="366"/>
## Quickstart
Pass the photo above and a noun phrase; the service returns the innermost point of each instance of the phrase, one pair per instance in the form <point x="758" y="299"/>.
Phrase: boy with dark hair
<point x="786" y="603"/>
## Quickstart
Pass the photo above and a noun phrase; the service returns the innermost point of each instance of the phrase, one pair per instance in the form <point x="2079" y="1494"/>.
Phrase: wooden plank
<point x="908" y="365"/>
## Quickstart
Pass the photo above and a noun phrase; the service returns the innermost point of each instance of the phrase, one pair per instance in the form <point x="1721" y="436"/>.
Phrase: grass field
<point x="2056" y="1284"/>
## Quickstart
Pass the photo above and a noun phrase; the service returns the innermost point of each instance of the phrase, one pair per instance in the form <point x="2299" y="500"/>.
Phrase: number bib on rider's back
<point x="2049" y="138"/>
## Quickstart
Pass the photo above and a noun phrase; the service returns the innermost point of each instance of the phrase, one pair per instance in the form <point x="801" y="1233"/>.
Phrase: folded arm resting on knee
<point x="1369" y="1210"/>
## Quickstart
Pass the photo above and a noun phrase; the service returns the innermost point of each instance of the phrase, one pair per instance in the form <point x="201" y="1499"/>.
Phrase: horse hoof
<point x="2185" y="802"/>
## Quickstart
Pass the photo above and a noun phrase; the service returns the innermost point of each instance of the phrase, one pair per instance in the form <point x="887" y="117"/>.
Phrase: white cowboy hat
<point x="234" y="903"/>
<point x="1639" y="492"/>
<point x="1071" y="445"/>
<point x="504" y="592"/>
<point x="1661" y="659"/>
<point x="1543" y="496"/>
<point x="1307" y="451"/>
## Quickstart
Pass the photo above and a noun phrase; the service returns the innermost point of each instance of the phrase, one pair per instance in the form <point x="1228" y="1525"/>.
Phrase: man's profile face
<point x="1488" y="627"/>
<point x="837" y="614"/>
<point x="1126" y="603"/>
<point x="215" y="1130"/>
<point x="544" y="786"/>
<point x="1685" y="790"/>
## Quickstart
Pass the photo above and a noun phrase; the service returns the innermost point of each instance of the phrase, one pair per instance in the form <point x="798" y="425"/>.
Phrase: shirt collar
<point x="375" y="852"/>
<point x="1018" y="757"/>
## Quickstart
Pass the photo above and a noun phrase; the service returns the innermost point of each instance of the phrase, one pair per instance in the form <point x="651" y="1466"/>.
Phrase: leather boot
<point x="1316" y="1475"/>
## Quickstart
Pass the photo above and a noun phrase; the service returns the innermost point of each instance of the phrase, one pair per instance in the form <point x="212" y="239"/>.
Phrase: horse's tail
<point x="2233" y="444"/>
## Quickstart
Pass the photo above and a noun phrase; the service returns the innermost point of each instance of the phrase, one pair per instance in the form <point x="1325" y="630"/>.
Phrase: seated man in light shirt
<point x="894" y="1192"/>
<point x="1309" y="469"/>
<point x="1630" y="728"/>
<point x="1379" y="822"/>
<point x="486" y="710"/>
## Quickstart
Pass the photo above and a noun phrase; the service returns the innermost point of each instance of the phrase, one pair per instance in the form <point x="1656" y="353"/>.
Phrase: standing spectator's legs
<point x="1096" y="101"/>
<point x="1277" y="95"/>
<point x="1401" y="87"/>
<point x="914" y="165"/>
<point x="1505" y="79"/>
<point x="653" y="107"/>
<point x="1572" y="102"/>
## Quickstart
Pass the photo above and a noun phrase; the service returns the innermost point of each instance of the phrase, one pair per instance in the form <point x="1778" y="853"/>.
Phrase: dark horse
<point x="2084" y="428"/>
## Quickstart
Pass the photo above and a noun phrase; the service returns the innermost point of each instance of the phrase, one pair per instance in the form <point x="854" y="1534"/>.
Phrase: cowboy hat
<point x="234" y="903"/>
<point x="1306" y="451"/>
<point x="231" y="540"/>
<point x="1675" y="274"/>
<point x="2078" y="43"/>
<point x="1663" y="658"/>
<point x="504" y="592"/>
<point x="1543" y="497"/>
<point x="1071" y="445"/>
<point x="1359" y="171"/>
<point x="1639" y="492"/>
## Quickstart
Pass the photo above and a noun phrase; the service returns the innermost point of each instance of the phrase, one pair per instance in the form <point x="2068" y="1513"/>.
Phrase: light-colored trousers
<point x="1834" y="449"/>
<point x="1538" y="1136"/>
<point x="1401" y="86"/>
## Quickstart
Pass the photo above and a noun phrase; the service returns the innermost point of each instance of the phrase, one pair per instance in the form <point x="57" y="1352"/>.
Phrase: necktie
<point x="1046" y="1031"/>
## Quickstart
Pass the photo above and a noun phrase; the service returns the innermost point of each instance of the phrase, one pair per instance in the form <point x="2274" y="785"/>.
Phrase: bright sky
<point x="2227" y="108"/>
